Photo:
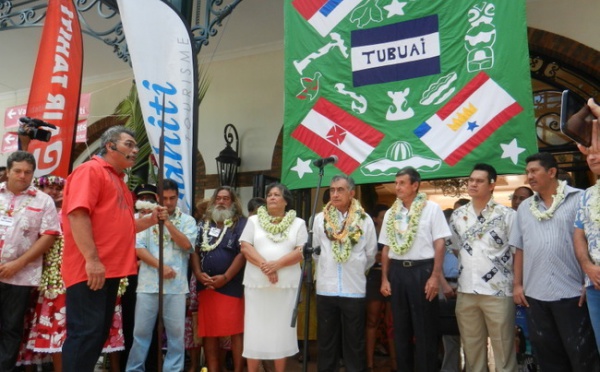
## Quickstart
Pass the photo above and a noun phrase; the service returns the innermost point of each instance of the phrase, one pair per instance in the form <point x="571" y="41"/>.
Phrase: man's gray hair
<point x="112" y="134"/>
<point x="348" y="179"/>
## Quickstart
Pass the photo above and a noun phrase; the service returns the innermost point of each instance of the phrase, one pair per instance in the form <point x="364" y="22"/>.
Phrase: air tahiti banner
<point x="437" y="85"/>
<point x="56" y="86"/>
<point x="164" y="65"/>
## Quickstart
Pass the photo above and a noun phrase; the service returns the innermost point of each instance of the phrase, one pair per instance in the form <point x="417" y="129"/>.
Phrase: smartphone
<point x="576" y="119"/>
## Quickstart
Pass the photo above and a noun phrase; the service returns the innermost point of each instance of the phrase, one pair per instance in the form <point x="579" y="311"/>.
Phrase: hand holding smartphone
<point x="576" y="119"/>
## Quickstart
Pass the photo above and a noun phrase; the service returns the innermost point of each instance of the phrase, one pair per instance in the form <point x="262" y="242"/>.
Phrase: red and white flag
<point x="56" y="86"/>
<point x="468" y="119"/>
<point x="329" y="130"/>
<point x="324" y="15"/>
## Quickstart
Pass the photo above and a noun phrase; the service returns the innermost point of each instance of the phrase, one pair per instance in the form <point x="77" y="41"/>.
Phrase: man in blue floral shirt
<point x="179" y="233"/>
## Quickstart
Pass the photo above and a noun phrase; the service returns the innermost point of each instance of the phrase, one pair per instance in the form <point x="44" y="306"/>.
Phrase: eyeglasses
<point x="130" y="144"/>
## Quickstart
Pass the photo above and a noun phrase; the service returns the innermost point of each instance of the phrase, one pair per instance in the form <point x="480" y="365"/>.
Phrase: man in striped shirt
<point x="547" y="277"/>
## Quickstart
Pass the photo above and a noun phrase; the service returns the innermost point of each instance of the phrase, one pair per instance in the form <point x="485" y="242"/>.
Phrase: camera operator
<point x="31" y="129"/>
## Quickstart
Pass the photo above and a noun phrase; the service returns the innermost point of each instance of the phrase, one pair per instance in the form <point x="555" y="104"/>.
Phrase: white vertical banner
<point x="164" y="64"/>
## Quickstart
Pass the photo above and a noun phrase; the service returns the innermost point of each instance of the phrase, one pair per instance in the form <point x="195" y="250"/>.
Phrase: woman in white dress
<point x="272" y="243"/>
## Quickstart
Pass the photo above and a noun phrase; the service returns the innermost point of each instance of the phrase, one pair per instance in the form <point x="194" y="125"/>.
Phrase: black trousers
<point x="341" y="320"/>
<point x="561" y="336"/>
<point x="89" y="315"/>
<point x="13" y="304"/>
<point x="414" y="317"/>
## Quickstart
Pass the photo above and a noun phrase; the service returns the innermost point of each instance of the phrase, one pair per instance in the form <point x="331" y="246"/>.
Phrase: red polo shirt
<point x="96" y="187"/>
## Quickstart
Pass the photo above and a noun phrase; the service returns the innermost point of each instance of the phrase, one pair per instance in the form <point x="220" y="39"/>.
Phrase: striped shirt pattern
<point x="550" y="269"/>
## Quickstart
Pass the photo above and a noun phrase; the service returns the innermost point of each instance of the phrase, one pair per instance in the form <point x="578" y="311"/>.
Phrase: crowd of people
<point x="232" y="280"/>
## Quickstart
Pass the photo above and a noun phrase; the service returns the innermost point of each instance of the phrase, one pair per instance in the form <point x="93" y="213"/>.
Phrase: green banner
<point x="380" y="85"/>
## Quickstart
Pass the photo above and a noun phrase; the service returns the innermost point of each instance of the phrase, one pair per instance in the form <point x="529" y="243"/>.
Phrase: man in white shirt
<point x="346" y="235"/>
<point x="485" y="307"/>
<point x="413" y="234"/>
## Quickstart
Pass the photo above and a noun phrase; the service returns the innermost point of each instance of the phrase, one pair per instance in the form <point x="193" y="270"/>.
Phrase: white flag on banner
<point x="163" y="62"/>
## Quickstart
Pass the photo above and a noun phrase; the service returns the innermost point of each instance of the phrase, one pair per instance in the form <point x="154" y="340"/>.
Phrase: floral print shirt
<point x="583" y="220"/>
<point x="485" y="257"/>
<point x="24" y="218"/>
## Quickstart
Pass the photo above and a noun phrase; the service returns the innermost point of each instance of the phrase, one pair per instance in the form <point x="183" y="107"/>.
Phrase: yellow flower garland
<point x="344" y="237"/>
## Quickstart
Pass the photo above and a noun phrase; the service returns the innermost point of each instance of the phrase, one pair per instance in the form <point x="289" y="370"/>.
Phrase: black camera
<point x="32" y="128"/>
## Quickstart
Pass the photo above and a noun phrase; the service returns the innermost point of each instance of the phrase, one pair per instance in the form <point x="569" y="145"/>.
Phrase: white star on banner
<point x="395" y="8"/>
<point x="302" y="167"/>
<point x="511" y="150"/>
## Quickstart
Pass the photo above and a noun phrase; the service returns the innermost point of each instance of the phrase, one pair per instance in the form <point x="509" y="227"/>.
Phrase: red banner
<point x="56" y="86"/>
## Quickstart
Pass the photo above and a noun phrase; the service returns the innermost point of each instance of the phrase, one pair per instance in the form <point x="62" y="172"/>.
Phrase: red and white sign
<point x="12" y="115"/>
<point x="82" y="121"/>
<point x="56" y="87"/>
<point x="10" y="143"/>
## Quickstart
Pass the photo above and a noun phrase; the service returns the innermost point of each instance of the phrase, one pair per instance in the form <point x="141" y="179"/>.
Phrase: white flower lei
<point x="30" y="197"/>
<point x="556" y="200"/>
<point x="176" y="221"/>
<point x="393" y="233"/>
<point x="205" y="246"/>
<point x="123" y="283"/>
<point x="282" y="228"/>
<point x="594" y="204"/>
<point x="345" y="237"/>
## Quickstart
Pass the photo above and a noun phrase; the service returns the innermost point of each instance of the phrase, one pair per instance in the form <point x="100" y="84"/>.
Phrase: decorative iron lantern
<point x="228" y="160"/>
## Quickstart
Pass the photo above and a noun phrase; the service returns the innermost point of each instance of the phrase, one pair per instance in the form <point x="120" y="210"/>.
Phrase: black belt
<point x="452" y="280"/>
<point x="411" y="263"/>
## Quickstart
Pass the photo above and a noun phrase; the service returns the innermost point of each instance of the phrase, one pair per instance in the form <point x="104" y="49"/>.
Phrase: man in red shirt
<point x="99" y="232"/>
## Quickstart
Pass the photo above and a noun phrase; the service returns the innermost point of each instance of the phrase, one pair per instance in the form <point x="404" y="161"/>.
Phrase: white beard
<point x="220" y="215"/>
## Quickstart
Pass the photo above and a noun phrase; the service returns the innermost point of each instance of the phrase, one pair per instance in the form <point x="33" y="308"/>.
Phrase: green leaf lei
<point x="282" y="228"/>
<point x="206" y="247"/>
<point x="52" y="283"/>
<point x="408" y="236"/>
<point x="556" y="200"/>
<point x="344" y="237"/>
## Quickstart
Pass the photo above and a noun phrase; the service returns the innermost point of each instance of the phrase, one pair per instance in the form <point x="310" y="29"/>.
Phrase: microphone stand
<point x="161" y="234"/>
<point x="306" y="276"/>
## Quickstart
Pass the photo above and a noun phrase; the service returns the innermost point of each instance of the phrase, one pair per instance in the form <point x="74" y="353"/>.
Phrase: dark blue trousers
<point x="415" y="318"/>
<point x="13" y="304"/>
<point x="89" y="315"/>
<point x="341" y="328"/>
<point x="561" y="335"/>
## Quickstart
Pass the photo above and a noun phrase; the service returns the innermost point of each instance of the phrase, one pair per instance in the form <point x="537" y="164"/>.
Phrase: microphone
<point x="127" y="156"/>
<point x="324" y="161"/>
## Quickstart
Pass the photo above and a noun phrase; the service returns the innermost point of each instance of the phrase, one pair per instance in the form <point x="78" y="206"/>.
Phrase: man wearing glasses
<point x="484" y="307"/>
<point x="99" y="232"/>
